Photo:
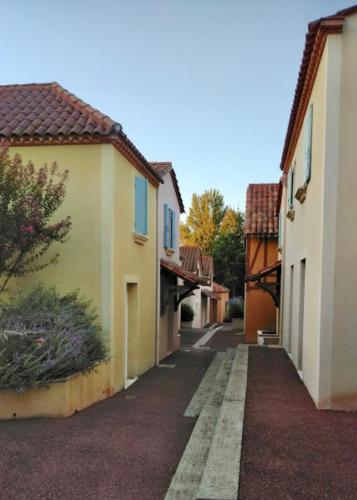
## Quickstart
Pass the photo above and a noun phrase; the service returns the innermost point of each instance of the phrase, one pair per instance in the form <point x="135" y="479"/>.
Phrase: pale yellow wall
<point x="79" y="265"/>
<point x="132" y="263"/>
<point x="101" y="255"/>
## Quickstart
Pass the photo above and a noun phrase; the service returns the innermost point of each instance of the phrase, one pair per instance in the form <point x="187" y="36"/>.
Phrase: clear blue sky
<point x="206" y="84"/>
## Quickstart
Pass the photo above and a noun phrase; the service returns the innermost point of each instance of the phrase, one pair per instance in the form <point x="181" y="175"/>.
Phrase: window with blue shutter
<point x="280" y="229"/>
<point x="173" y="229"/>
<point x="291" y="178"/>
<point x="166" y="226"/>
<point x="141" y="202"/>
<point x="308" y="143"/>
<point x="169" y="227"/>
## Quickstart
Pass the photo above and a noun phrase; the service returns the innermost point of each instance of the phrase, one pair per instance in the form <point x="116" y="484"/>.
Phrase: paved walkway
<point x="128" y="447"/>
<point x="290" y="449"/>
<point x="125" y="448"/>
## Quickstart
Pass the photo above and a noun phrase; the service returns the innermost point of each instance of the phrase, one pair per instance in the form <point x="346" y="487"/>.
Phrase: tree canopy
<point x="218" y="230"/>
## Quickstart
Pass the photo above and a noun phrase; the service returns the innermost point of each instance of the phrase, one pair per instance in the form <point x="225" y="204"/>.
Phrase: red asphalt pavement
<point x="290" y="449"/>
<point x="128" y="447"/>
<point x="125" y="448"/>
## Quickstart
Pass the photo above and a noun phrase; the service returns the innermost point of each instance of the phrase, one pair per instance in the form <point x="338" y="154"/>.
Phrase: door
<point x="301" y="315"/>
<point x="131" y="335"/>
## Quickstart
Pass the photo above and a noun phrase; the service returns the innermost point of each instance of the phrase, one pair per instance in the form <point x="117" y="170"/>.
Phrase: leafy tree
<point x="28" y="200"/>
<point x="203" y="220"/>
<point x="229" y="253"/>
<point x="218" y="231"/>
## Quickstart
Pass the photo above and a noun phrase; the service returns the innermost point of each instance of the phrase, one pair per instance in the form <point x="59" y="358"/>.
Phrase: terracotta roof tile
<point x="46" y="111"/>
<point x="207" y="266"/>
<point x="220" y="288"/>
<point x="165" y="167"/>
<point x="261" y="215"/>
<point x="190" y="257"/>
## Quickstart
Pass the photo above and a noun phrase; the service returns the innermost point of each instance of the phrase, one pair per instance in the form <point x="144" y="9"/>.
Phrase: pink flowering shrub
<point x="29" y="198"/>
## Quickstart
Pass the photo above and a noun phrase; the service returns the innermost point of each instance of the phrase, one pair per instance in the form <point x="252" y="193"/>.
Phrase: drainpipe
<point x="157" y="320"/>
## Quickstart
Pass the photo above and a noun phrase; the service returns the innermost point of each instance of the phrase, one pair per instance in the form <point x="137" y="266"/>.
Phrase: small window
<point x="141" y="201"/>
<point x="169" y="227"/>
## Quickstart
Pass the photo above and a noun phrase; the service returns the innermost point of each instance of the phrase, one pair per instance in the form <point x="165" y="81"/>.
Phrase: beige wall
<point x="169" y="323"/>
<point x="344" y="349"/>
<point x="324" y="233"/>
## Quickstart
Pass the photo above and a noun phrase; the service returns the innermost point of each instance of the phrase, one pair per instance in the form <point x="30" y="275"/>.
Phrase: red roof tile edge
<point x="314" y="45"/>
<point x="167" y="167"/>
<point x="114" y="134"/>
<point x="261" y="201"/>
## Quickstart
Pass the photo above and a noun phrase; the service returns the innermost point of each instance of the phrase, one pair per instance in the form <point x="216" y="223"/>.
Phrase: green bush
<point x="187" y="313"/>
<point x="46" y="336"/>
<point x="236" y="310"/>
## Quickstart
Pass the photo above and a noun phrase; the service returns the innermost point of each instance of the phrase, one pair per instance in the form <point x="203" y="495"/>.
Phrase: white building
<point x="318" y="215"/>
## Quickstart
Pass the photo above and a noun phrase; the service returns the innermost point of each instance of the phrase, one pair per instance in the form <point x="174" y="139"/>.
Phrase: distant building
<point x="261" y="239"/>
<point x="170" y="206"/>
<point x="202" y="300"/>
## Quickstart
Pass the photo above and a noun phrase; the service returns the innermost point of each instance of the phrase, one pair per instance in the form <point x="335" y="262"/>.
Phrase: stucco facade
<point x="169" y="208"/>
<point x="319" y="238"/>
<point x="261" y="240"/>
<point x="101" y="257"/>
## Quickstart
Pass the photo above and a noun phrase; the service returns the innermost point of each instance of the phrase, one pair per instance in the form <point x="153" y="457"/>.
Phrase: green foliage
<point x="28" y="200"/>
<point x="229" y="253"/>
<point x="236" y="309"/>
<point x="46" y="336"/>
<point x="187" y="313"/>
<point x="203" y="221"/>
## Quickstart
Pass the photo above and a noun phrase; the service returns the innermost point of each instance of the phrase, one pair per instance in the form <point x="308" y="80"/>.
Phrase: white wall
<point x="324" y="233"/>
<point x="304" y="240"/>
<point x="344" y="348"/>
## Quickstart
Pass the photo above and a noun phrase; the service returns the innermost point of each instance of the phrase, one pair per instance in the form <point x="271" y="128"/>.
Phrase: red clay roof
<point x="178" y="271"/>
<point x="314" y="44"/>
<point x="220" y="288"/>
<point x="164" y="167"/>
<point x="210" y="294"/>
<point x="190" y="257"/>
<point x="261" y="219"/>
<point x="207" y="266"/>
<point x="46" y="111"/>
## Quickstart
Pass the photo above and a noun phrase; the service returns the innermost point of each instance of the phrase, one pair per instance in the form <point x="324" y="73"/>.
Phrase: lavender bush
<point x="46" y="336"/>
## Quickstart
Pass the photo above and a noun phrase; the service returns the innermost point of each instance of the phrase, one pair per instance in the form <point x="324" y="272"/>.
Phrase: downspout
<point x="157" y="320"/>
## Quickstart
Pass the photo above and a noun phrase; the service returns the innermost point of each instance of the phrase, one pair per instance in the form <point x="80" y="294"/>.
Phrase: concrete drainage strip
<point x="206" y="337"/>
<point x="209" y="467"/>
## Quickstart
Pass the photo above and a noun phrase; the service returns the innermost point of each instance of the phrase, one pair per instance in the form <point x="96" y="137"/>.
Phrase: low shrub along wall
<point x="46" y="336"/>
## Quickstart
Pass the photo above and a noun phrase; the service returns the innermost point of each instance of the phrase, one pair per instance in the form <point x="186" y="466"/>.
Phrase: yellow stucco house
<point x="318" y="207"/>
<point x="111" y="198"/>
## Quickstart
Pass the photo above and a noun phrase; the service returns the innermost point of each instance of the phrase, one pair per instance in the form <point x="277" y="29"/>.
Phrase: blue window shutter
<point x="289" y="188"/>
<point x="146" y="206"/>
<point x="308" y="143"/>
<point x="141" y="205"/>
<point x="173" y="229"/>
<point x="166" y="225"/>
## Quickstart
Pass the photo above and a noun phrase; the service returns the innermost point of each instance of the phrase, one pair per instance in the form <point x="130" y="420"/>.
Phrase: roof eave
<point x="314" y="46"/>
